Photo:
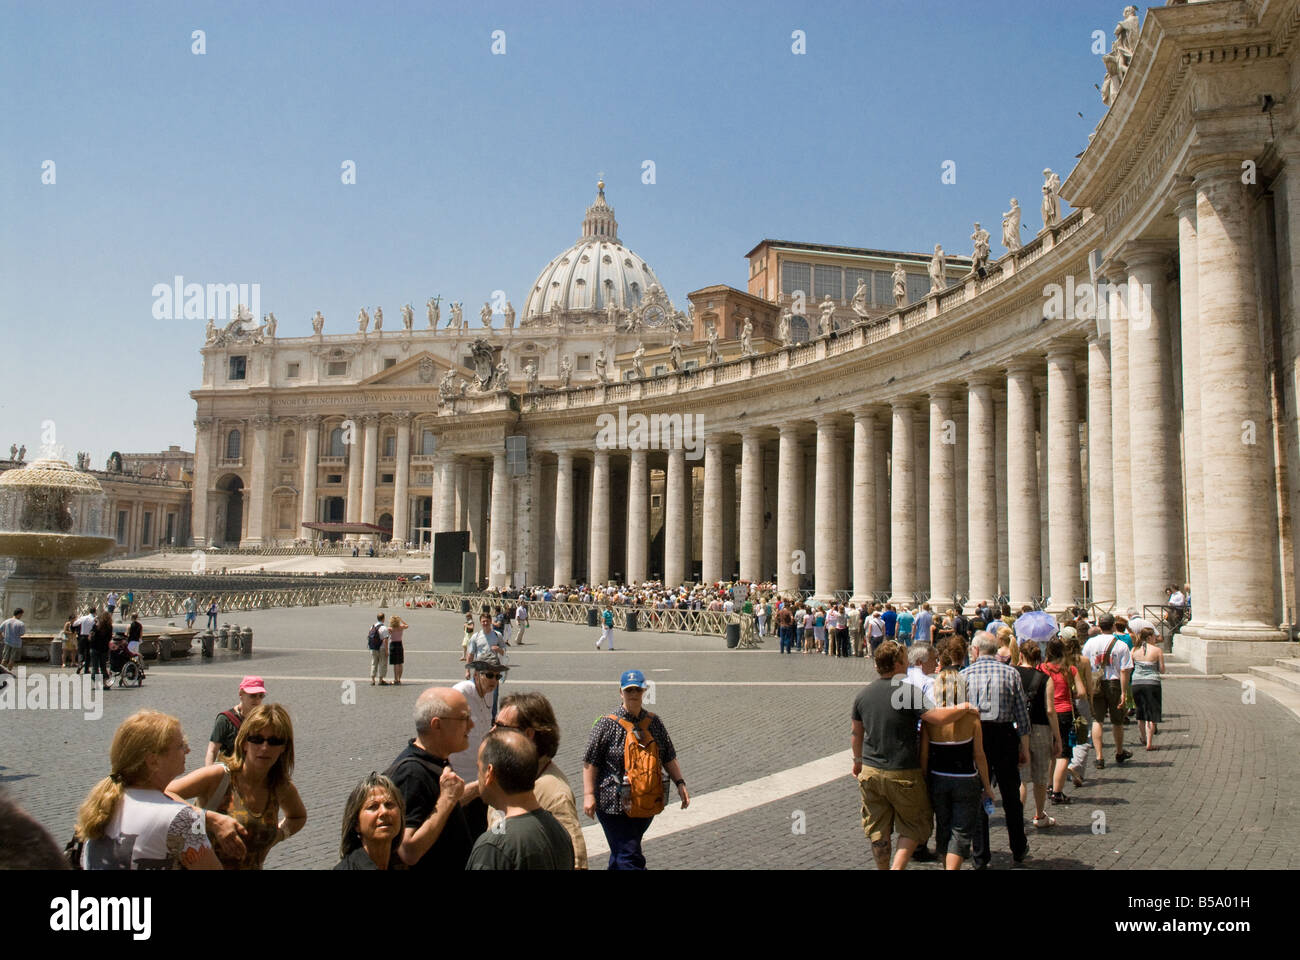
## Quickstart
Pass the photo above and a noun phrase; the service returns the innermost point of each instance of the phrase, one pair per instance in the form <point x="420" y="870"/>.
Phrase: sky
<point x="473" y="168"/>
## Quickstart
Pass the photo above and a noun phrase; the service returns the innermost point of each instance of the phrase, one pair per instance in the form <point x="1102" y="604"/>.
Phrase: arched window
<point x="232" y="445"/>
<point x="390" y="446"/>
<point x="336" y="442"/>
<point x="288" y="443"/>
<point x="799" y="329"/>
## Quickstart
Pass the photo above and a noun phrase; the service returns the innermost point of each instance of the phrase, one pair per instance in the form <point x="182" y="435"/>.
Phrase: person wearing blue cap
<point x="623" y="777"/>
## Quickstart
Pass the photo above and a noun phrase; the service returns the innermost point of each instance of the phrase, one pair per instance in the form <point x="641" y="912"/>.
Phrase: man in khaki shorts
<point x="886" y="757"/>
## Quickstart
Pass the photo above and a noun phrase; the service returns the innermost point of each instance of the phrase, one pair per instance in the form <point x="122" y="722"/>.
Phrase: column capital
<point x="1066" y="349"/>
<point x="1024" y="366"/>
<point x="368" y="420"/>
<point x="941" y="391"/>
<point x="1216" y="168"/>
<point x="263" y="421"/>
<point x="402" y="416"/>
<point x="1142" y="253"/>
<point x="867" y="413"/>
<point x="980" y="380"/>
<point x="204" y="423"/>
<point x="1113" y="268"/>
<point x="310" y="419"/>
<point x="830" y="420"/>
<point x="1184" y="193"/>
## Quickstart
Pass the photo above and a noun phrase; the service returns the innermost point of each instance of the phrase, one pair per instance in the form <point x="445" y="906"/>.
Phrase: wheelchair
<point x="132" y="672"/>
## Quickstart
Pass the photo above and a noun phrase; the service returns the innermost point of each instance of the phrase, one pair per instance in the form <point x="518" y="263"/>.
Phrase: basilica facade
<point x="1114" y="398"/>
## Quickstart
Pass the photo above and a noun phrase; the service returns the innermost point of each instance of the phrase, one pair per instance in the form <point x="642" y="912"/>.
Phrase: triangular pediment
<point x="424" y="369"/>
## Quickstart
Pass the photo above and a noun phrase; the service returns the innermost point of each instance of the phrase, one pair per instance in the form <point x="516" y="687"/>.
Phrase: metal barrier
<point x="171" y="603"/>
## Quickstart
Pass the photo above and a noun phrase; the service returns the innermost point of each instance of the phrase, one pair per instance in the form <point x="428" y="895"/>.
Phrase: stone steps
<point x="1286" y="673"/>
<point x="1287" y="697"/>
<point x="1289" y="663"/>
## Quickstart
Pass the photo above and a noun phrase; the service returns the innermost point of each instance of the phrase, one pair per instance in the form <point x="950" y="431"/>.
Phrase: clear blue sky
<point x="474" y="170"/>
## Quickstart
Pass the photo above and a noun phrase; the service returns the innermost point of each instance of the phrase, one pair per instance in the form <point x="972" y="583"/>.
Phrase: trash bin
<point x="733" y="635"/>
<point x="206" y="642"/>
<point x="246" y="642"/>
<point x="591" y="616"/>
<point x="164" y="648"/>
<point x="631" y="621"/>
<point x="464" y="605"/>
<point x="56" y="653"/>
<point x="224" y="636"/>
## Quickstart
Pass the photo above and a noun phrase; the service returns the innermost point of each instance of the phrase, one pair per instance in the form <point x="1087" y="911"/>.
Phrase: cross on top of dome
<point x="599" y="221"/>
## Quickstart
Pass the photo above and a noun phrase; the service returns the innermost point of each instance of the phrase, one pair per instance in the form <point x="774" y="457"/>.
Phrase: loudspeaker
<point x="468" y="572"/>
<point x="517" y="456"/>
<point x="448" y="547"/>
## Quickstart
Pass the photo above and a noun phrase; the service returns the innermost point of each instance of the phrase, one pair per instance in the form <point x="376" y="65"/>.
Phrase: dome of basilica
<point x="593" y="272"/>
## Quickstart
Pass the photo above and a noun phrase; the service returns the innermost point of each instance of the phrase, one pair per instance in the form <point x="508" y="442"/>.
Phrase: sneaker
<point x="1123" y="757"/>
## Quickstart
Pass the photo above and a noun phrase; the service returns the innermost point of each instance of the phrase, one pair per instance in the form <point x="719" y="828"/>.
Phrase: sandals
<point x="1044" y="821"/>
<point x="1059" y="798"/>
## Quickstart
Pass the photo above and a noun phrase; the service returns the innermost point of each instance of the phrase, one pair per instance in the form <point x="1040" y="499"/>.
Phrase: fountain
<point x="50" y="515"/>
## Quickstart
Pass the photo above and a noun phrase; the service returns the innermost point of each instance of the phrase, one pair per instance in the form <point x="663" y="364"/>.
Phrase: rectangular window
<point x="121" y="527"/>
<point x="884" y="288"/>
<point x="333" y="478"/>
<point x="851" y="277"/>
<point x="826" y="283"/>
<point x="427" y="443"/>
<point x="336" y="368"/>
<point x="628" y="375"/>
<point x="584" y="363"/>
<point x="918" y="285"/>
<point x="146" y="528"/>
<point x="238" y="367"/>
<point x="691" y="365"/>
<point x="291" y="371"/>
<point x="656" y="501"/>
<point x="795" y="276"/>
<point x="659" y="370"/>
<point x="390" y="447"/>
<point x="386" y="478"/>
<point x="390" y="362"/>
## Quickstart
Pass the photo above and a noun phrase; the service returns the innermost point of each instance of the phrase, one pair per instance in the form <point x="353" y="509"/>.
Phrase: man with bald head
<point x="529" y="837"/>
<point x="437" y="836"/>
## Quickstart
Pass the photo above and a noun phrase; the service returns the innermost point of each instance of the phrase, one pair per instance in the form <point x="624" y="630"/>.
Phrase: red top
<point x="1062" y="689"/>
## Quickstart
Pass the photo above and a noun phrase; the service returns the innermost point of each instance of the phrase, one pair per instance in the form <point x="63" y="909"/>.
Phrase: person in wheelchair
<point x="126" y="650"/>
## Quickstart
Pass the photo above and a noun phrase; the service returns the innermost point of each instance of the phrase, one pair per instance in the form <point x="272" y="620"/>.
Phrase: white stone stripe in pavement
<point x="720" y="804"/>
<point x="421" y="681"/>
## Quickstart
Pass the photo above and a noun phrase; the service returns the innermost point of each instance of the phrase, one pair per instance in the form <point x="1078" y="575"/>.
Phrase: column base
<point x="903" y="600"/>
<point x="1232" y="648"/>
<point x="862" y="598"/>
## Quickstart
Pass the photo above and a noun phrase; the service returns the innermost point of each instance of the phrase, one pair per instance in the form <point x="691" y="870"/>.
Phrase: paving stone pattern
<point x="1217" y="794"/>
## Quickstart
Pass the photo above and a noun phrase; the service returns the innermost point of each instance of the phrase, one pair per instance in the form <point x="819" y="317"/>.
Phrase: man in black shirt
<point x="529" y="837"/>
<point x="437" y="835"/>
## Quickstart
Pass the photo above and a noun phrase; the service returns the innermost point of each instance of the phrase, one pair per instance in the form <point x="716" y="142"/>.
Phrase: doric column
<point x="751" y="506"/>
<point x="499" y="560"/>
<point x="880" y="465"/>
<point x="1191" y="350"/>
<point x="1044" y="547"/>
<point x="962" y="546"/>
<point x="1101" y="491"/>
<point x="528" y="523"/>
<point x="402" y="479"/>
<point x="1022" y="486"/>
<point x="789" y="526"/>
<point x="203" y="443"/>
<point x="476" y="510"/>
<point x="770" y="510"/>
<point x="1000" y="485"/>
<point x="1064" y="478"/>
<point x="563" y="518"/>
<point x="444" y="507"/>
<point x="903" y="504"/>
<point x="982" y="502"/>
<point x="711" y="552"/>
<point x="259" y="472"/>
<point x="943" y="499"/>
<point x="1235" y="417"/>
<point x="368" y="465"/>
<point x="921" y="476"/>
<point x="1153" y="426"/>
<point x="729" y="506"/>
<point x="311" y="453"/>
<point x="352" y="446"/>
<point x="638" y="516"/>
<point x="1121" y="442"/>
<point x="866" y="576"/>
<point x="598" y="546"/>
<point x="676" y="515"/>
<point x="827" y="520"/>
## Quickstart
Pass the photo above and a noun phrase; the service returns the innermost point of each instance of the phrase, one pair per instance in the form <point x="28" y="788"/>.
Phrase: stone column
<point x="789" y="527"/>
<point x="1191" y="349"/>
<point x="1153" y="426"/>
<point x="444" y="508"/>
<point x="311" y="453"/>
<point x="203" y="430"/>
<point x="770" y="510"/>
<point x="1000" y="485"/>
<point x="402" y="479"/>
<point x="1064" y="478"/>
<point x="863" y="518"/>
<point x="711" y="553"/>
<point x="880" y="464"/>
<point x="352" y="446"/>
<point x="369" y="464"/>
<point x="259" y="473"/>
<point x="943" y="499"/>
<point x="500" y="562"/>
<point x="1235" y="418"/>
<point x="903" y="504"/>
<point x="751" y="506"/>
<point x="600" y="526"/>
<point x="1022" y="486"/>
<point x="477" y="511"/>
<point x="921" y="474"/>
<point x="962" y="546"/>
<point x="563" y="518"/>
<point x="1121" y="436"/>
<point x="1101" y="491"/>
<point x="676" y="515"/>
<point x="638" y="517"/>
<point x="528" y="516"/>
<point x="729" y="505"/>
<point x="1044" y="546"/>
<point x="982" y="503"/>
<point x="827" y="521"/>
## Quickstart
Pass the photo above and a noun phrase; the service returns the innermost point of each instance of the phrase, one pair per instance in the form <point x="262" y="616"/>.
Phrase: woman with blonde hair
<point x="1008" y="649"/>
<point x="250" y="788"/>
<point x="1078" y="765"/>
<point x="396" y="653"/>
<point x="127" y="821"/>
<point x="373" y="824"/>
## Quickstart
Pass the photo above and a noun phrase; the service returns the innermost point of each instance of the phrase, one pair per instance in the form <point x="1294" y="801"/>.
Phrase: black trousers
<point x="1002" y="751"/>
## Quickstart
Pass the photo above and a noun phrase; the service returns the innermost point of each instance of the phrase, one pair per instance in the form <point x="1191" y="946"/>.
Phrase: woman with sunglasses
<point x="250" y="788"/>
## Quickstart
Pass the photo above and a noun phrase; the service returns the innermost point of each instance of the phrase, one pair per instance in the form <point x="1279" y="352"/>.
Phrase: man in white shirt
<point x="875" y="629"/>
<point x="84" y="624"/>
<point x="480" y="692"/>
<point x="521" y="622"/>
<point x="1111" y="662"/>
<point x="922" y="664"/>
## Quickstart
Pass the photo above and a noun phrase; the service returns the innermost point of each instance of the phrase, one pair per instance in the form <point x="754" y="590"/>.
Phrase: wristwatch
<point x="680" y="783"/>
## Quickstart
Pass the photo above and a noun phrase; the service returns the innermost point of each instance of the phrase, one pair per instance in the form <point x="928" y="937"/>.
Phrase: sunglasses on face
<point x="490" y="676"/>
<point x="258" y="739"/>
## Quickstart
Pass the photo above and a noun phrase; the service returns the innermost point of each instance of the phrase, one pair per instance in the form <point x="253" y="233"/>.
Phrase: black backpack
<point x="373" y="640"/>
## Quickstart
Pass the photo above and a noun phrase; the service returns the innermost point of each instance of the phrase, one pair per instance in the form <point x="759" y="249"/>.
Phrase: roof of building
<point x="865" y="252"/>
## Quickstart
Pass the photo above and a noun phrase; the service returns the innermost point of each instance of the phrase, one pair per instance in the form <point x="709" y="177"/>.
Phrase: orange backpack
<point x="642" y="768"/>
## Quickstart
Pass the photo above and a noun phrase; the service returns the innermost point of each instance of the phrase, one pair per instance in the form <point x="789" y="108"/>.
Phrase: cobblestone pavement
<point x="1218" y="793"/>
